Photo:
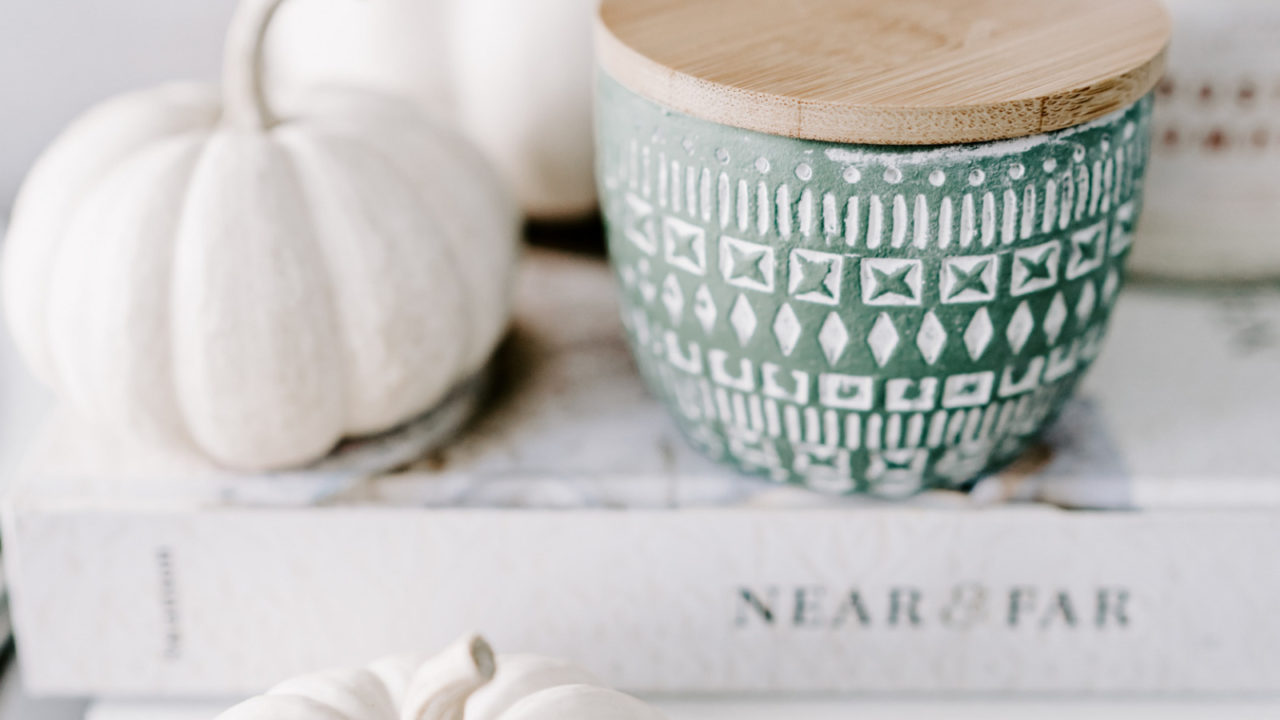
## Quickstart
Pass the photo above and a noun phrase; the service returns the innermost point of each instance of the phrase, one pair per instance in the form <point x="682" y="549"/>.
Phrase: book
<point x="1133" y="552"/>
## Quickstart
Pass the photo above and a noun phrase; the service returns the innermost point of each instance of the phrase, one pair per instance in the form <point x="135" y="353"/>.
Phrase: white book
<point x="571" y="520"/>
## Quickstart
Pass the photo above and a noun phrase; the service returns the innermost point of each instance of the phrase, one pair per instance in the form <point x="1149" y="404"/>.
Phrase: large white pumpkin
<point x="187" y="264"/>
<point x="465" y="682"/>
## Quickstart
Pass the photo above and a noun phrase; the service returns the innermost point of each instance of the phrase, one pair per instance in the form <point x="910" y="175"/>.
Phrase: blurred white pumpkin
<point x="524" y="73"/>
<point x="401" y="47"/>
<point x="518" y="72"/>
<point x="465" y="682"/>
<point x="194" y="267"/>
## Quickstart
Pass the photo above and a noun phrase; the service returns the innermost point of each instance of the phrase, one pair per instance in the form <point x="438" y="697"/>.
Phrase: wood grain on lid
<point x="887" y="72"/>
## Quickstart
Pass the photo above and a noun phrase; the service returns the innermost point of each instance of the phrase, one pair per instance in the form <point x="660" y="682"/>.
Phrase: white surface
<point x="17" y="705"/>
<point x="14" y="705"/>
<point x="828" y="709"/>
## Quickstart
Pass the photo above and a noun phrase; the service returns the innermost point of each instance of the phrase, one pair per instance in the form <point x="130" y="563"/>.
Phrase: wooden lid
<point x="887" y="72"/>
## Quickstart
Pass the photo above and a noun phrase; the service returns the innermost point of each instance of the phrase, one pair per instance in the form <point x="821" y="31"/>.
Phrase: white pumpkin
<point x="520" y="73"/>
<point x="524" y="73"/>
<point x="465" y="682"/>
<point x="396" y="46"/>
<point x="197" y="268"/>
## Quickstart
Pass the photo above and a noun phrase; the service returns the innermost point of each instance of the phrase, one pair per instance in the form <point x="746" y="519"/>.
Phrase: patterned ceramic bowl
<point x="864" y="318"/>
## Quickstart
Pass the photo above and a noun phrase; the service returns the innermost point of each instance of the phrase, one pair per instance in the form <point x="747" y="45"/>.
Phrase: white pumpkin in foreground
<point x="465" y="682"/>
<point x="191" y="266"/>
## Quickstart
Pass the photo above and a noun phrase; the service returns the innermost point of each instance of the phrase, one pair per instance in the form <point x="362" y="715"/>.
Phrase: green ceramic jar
<point x="864" y="318"/>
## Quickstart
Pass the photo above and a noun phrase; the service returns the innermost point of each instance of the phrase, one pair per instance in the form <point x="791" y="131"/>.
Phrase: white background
<point x="58" y="56"/>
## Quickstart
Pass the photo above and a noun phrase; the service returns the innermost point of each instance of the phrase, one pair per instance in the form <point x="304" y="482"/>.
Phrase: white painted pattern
<point x="743" y="319"/>
<point x="1035" y="268"/>
<point x="684" y="245"/>
<point x="1015" y="381"/>
<point x="833" y="337"/>
<point x="784" y="211"/>
<point x="969" y="279"/>
<point x="851" y="224"/>
<point x="1028" y="211"/>
<point x="899" y="237"/>
<point x="787" y="329"/>
<point x="663" y="182"/>
<point x="944" y="223"/>
<point x="1086" y="303"/>
<point x="691" y="191"/>
<point x="805" y="212"/>
<point x="762" y="208"/>
<point x="723" y="192"/>
<point x="1055" y="317"/>
<point x="704" y="308"/>
<point x="967" y="224"/>
<point x="639" y="223"/>
<point x="677" y="191"/>
<point x="1072" y="188"/>
<point x="988" y="219"/>
<point x="741" y="378"/>
<point x="673" y="299"/>
<point x="1087" y="250"/>
<point x="1110" y="286"/>
<point x="921" y="240"/>
<point x="1008" y="229"/>
<point x="977" y="336"/>
<point x="747" y="265"/>
<point x="931" y="338"/>
<point x="1050" y="205"/>
<point x="875" y="222"/>
<point x="883" y="339"/>
<point x="1020" y="326"/>
<point x="830" y="217"/>
<point x="804" y="264"/>
<point x="968" y="390"/>
<point x="892" y="281"/>
<point x="911" y="394"/>
<point x="704" y="195"/>
<point x="846" y="392"/>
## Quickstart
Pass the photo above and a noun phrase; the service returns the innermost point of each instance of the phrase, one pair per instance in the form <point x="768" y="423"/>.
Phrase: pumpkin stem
<point x="244" y="102"/>
<point x="439" y="689"/>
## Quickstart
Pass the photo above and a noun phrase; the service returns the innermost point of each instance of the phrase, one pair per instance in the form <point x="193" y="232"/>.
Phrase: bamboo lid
<point x="887" y="72"/>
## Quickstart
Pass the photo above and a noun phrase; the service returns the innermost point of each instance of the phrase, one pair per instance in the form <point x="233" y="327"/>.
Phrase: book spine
<point x="224" y="603"/>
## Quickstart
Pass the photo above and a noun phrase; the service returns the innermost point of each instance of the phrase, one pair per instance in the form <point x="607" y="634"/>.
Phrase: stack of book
<point x="1132" y="552"/>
